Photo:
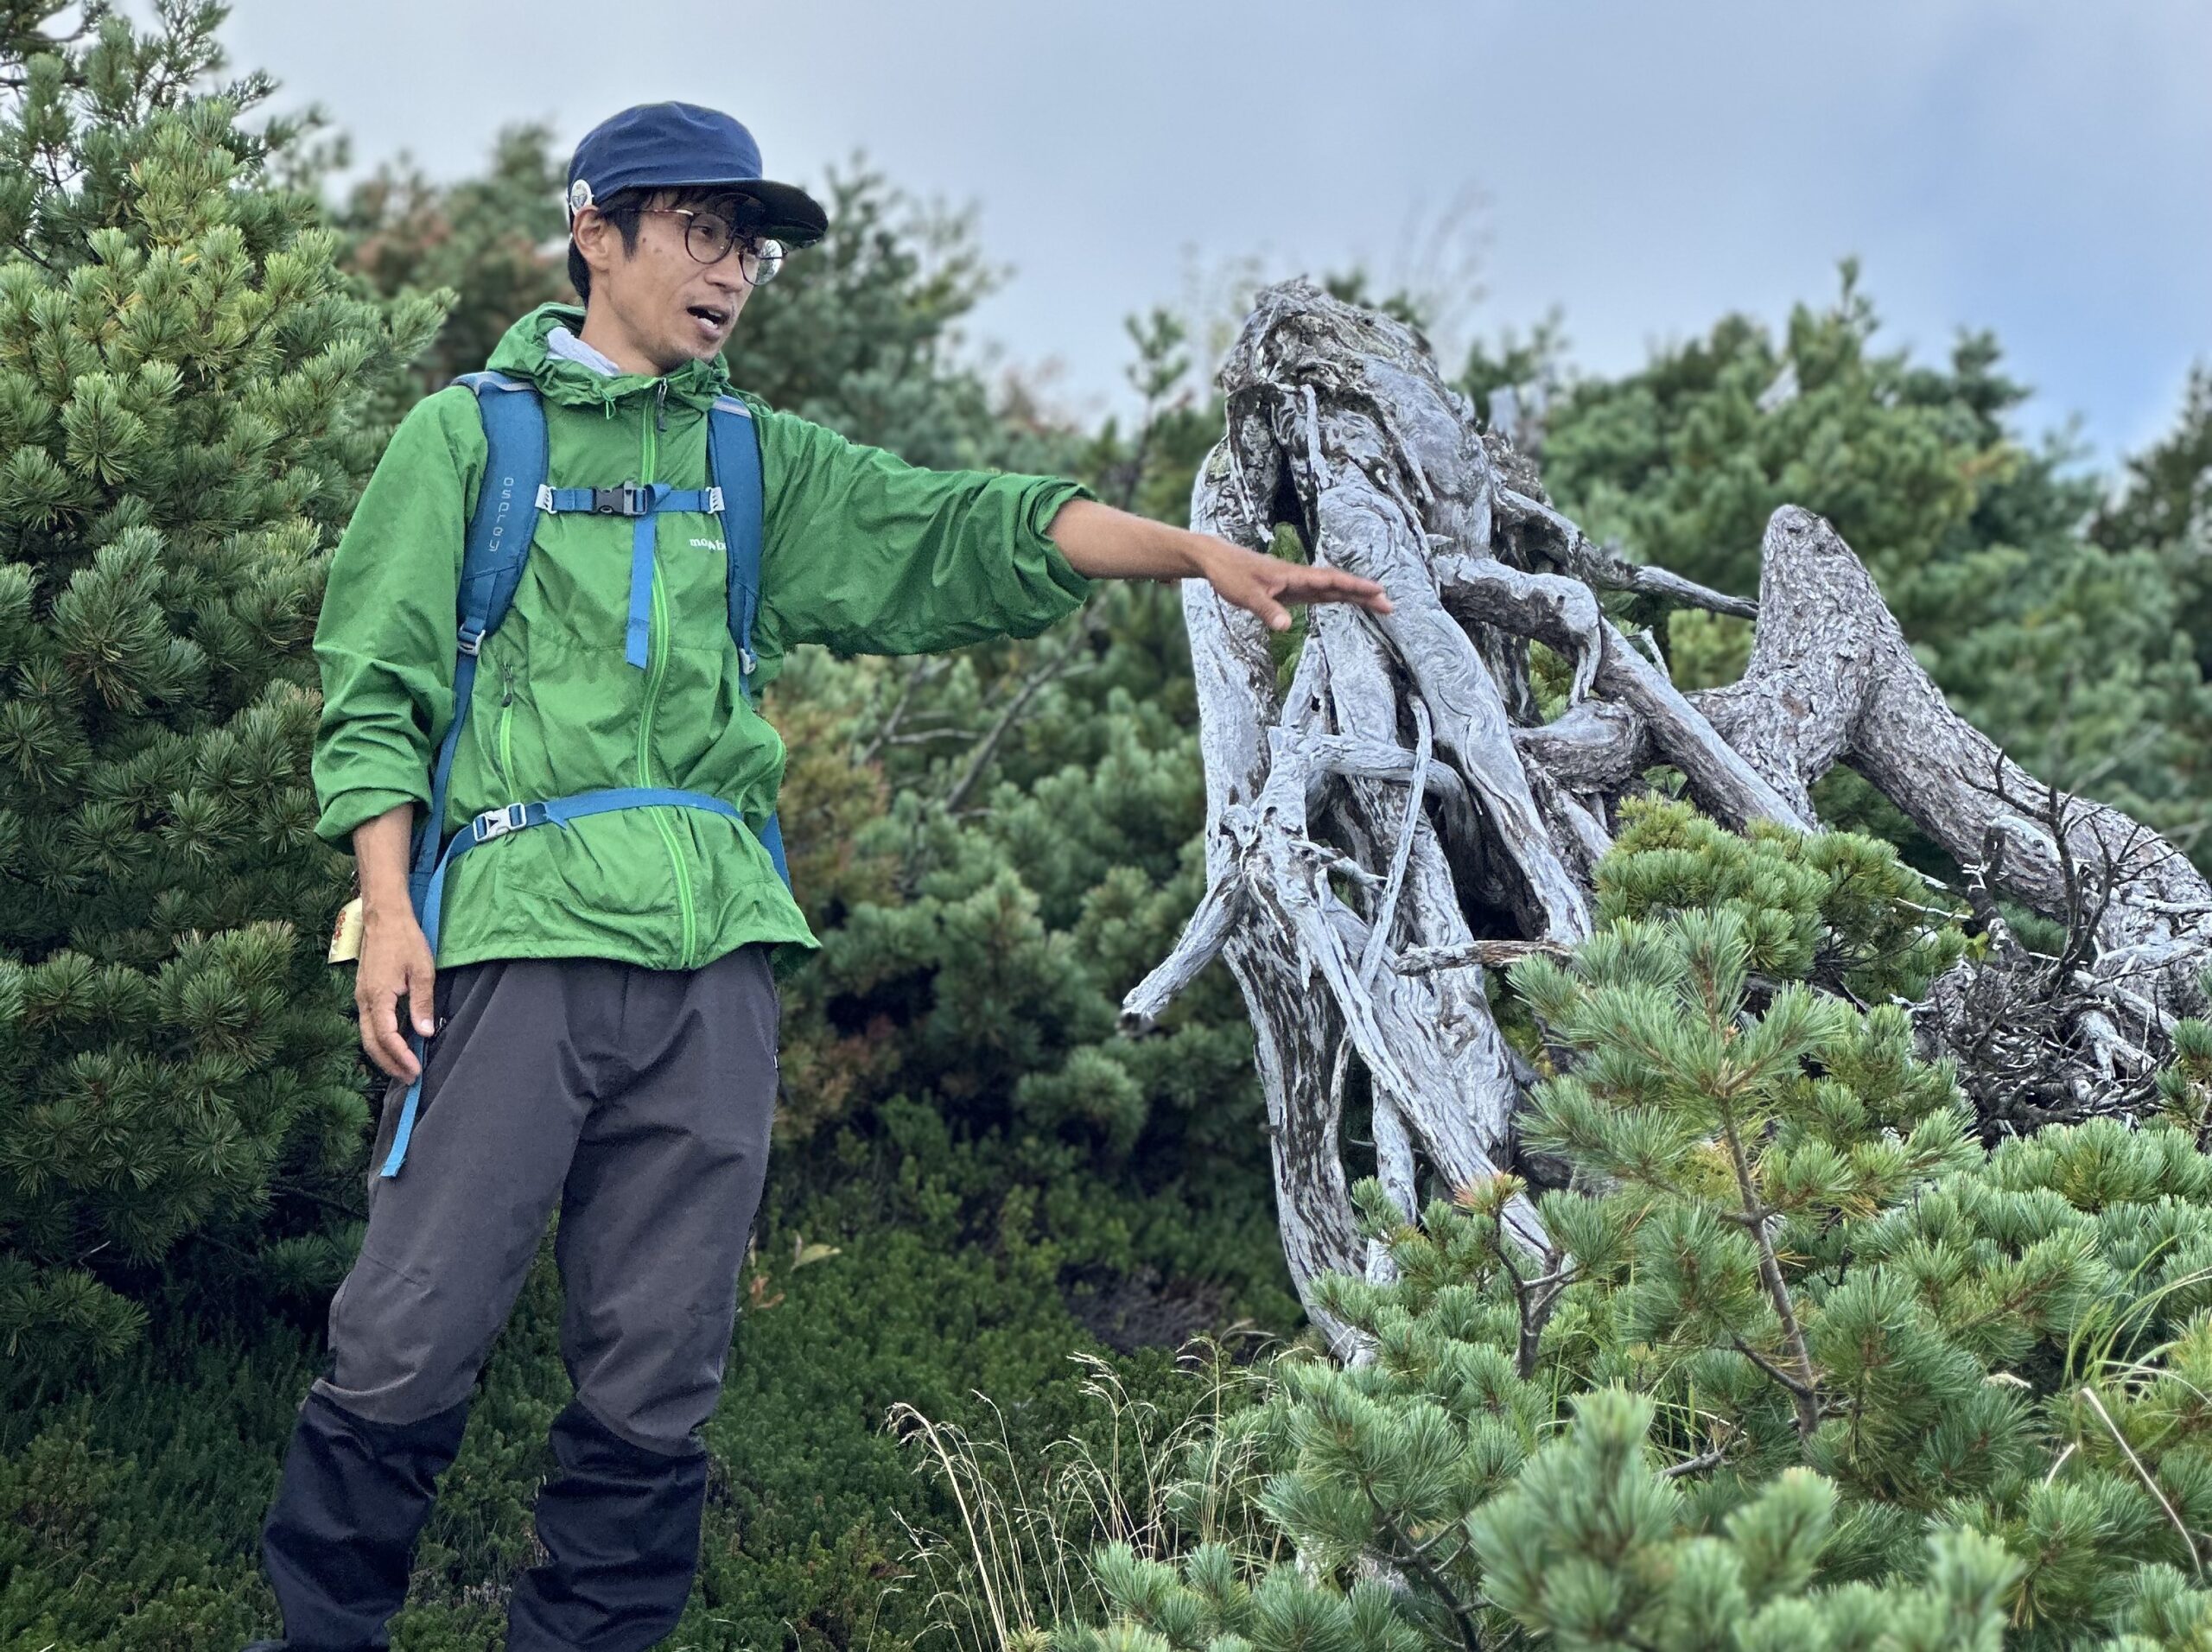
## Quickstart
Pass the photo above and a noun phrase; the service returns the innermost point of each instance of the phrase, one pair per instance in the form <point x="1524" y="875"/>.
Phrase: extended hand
<point x="1102" y="543"/>
<point x="1262" y="585"/>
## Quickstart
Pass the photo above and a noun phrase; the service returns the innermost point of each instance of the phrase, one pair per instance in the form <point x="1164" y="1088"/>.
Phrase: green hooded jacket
<point x="861" y="551"/>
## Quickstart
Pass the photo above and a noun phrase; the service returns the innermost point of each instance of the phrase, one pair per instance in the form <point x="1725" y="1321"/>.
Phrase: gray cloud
<point x="2036" y="168"/>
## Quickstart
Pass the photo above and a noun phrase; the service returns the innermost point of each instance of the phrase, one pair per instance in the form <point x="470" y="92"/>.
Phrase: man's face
<point x="673" y="307"/>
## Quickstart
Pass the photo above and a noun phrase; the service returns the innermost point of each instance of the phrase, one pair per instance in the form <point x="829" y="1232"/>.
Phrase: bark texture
<point x="1400" y="819"/>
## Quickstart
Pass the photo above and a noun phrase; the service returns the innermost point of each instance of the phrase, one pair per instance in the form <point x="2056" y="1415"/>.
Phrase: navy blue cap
<point x="668" y="145"/>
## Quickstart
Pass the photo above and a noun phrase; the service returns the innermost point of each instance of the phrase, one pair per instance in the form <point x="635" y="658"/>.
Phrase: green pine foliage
<point x="182" y="367"/>
<point x="494" y="245"/>
<point x="1592" y="1547"/>
<point x="1835" y="909"/>
<point x="973" y="959"/>
<point x="1588" y="1548"/>
<point x="2165" y="506"/>
<point x="1807" y="1365"/>
<point x="2185" y="1087"/>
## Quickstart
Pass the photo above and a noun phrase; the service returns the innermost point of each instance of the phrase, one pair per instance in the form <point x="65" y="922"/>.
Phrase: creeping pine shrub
<point x="1805" y="1366"/>
<point x="184" y="378"/>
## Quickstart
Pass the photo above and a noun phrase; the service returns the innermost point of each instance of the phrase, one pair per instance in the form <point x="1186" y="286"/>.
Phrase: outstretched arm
<point x="873" y="556"/>
<point x="1102" y="543"/>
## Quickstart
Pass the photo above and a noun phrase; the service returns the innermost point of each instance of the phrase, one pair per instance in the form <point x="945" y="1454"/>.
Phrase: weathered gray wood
<point x="1296" y="1033"/>
<point x="1401" y="820"/>
<point x="1538" y="607"/>
<point x="1597" y="746"/>
<point x="1371" y="533"/>
<point x="1459" y="1092"/>
<point x="1606" y="569"/>
<point x="1833" y="680"/>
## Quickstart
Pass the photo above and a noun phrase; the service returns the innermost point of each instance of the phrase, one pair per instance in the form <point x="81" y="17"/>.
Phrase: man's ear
<point x="595" y="238"/>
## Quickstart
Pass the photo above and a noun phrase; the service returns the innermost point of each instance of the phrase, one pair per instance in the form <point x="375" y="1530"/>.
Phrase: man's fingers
<point x="1369" y="593"/>
<point x="1333" y="584"/>
<point x="1303" y="584"/>
<point x="381" y="1039"/>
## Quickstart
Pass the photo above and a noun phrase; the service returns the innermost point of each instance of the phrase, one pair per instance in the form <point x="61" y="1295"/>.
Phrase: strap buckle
<point x="497" y="823"/>
<point x="626" y="501"/>
<point x="471" y="639"/>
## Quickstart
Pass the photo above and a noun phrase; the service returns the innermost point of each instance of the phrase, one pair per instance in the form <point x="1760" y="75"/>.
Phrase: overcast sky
<point x="2041" y="169"/>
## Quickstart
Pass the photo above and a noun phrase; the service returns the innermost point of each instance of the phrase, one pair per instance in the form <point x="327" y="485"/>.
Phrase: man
<point x="599" y="1021"/>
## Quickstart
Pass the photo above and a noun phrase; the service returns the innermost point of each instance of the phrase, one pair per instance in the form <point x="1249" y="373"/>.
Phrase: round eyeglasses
<point x="709" y="237"/>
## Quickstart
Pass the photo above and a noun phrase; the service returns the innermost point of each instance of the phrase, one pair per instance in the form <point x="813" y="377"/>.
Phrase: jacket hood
<point x="521" y="351"/>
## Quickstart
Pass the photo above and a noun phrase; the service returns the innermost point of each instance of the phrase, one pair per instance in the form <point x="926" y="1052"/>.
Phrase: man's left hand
<point x="1264" y="585"/>
<point x="1102" y="543"/>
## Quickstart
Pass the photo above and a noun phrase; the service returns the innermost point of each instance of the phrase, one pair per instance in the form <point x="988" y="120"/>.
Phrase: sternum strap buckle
<point x="513" y="817"/>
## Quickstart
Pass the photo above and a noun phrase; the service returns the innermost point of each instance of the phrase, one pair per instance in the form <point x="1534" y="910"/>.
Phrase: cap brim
<point x="787" y="212"/>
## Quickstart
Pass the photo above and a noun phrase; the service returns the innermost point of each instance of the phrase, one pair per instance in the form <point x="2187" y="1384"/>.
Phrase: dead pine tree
<point x="1400" y="819"/>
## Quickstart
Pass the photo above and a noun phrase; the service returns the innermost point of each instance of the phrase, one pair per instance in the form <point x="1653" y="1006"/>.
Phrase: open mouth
<point x="711" y="318"/>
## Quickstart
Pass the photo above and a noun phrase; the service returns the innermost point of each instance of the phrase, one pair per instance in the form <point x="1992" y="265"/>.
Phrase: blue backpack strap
<point x="492" y="558"/>
<point x="771" y="839"/>
<point x="734" y="455"/>
<point x="502" y="823"/>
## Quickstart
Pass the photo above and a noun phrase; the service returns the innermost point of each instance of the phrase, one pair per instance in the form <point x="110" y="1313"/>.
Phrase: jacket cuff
<point x="349" y="809"/>
<point x="1045" y="503"/>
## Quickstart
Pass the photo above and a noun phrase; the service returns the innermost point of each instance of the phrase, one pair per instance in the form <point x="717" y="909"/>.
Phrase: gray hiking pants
<point x="639" y="1102"/>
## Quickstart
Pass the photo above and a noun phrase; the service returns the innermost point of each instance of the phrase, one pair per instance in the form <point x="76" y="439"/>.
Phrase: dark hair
<point x="624" y="208"/>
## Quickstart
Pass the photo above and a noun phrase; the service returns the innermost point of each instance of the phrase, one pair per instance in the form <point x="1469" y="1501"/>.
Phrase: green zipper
<point x="506" y="728"/>
<point x="656" y="673"/>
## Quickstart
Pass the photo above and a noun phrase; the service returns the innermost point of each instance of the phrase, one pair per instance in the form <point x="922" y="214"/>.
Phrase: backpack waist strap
<point x="429" y="899"/>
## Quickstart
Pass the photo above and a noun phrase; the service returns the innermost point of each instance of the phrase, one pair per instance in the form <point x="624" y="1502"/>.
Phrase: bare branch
<point x="1602" y="566"/>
